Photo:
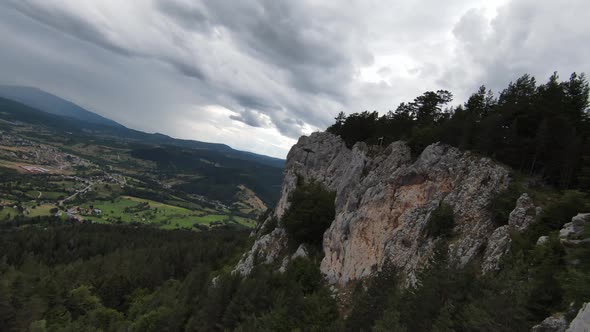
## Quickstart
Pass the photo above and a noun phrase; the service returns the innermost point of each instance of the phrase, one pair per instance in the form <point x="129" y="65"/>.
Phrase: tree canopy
<point x="536" y="129"/>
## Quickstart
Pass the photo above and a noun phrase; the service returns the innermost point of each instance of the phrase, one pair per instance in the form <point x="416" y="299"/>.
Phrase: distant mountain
<point x="46" y="102"/>
<point x="13" y="110"/>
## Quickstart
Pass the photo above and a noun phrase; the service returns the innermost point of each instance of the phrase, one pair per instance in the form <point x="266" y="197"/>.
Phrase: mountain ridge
<point x="69" y="123"/>
<point x="50" y="103"/>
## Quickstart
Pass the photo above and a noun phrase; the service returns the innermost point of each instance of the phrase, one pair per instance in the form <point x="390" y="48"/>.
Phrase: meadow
<point x="127" y="209"/>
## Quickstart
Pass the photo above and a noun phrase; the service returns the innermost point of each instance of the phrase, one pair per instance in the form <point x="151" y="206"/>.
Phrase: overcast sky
<point x="258" y="74"/>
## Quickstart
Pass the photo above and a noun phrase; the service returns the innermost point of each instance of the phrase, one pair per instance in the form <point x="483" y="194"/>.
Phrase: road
<point x="81" y="191"/>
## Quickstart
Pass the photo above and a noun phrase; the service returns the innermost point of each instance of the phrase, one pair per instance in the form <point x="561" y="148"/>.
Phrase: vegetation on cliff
<point x="536" y="129"/>
<point x="310" y="213"/>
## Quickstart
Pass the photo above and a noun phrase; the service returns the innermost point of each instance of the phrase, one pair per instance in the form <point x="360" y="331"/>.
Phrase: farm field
<point x="127" y="209"/>
<point x="83" y="178"/>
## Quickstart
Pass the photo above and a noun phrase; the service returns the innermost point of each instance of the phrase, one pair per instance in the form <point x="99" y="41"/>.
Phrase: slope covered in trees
<point x="536" y="129"/>
<point x="57" y="276"/>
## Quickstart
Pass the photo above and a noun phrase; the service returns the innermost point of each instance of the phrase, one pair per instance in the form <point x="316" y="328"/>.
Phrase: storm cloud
<point x="258" y="74"/>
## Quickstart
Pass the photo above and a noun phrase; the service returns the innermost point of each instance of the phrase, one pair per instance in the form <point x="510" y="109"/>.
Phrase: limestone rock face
<point x="384" y="200"/>
<point x="582" y="321"/>
<point x="266" y="249"/>
<point x="300" y="252"/>
<point x="551" y="324"/>
<point x="574" y="230"/>
<point x="523" y="215"/>
<point x="498" y="245"/>
<point x="557" y="323"/>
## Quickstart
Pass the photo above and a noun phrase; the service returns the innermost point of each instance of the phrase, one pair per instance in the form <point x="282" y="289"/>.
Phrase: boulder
<point x="551" y="324"/>
<point x="524" y="214"/>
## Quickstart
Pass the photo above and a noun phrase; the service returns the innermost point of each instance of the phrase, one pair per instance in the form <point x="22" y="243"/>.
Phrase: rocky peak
<point x="523" y="215"/>
<point x="384" y="200"/>
<point x="573" y="233"/>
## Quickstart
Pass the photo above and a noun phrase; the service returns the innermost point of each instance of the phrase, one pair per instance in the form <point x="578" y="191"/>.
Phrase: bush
<point x="504" y="203"/>
<point x="441" y="221"/>
<point x="311" y="212"/>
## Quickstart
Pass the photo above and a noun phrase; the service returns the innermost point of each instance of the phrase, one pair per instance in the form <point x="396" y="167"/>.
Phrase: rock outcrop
<point x="300" y="252"/>
<point x="383" y="202"/>
<point x="581" y="322"/>
<point x="574" y="233"/>
<point x="523" y="215"/>
<point x="551" y="324"/>
<point x="557" y="322"/>
<point x="266" y="249"/>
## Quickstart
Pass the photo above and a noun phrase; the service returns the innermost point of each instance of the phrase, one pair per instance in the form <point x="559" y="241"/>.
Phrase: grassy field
<point x="126" y="209"/>
<point x="46" y="195"/>
<point x="7" y="211"/>
<point x="42" y="210"/>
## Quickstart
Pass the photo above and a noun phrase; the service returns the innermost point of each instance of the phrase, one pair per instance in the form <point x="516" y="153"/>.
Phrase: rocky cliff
<point x="384" y="199"/>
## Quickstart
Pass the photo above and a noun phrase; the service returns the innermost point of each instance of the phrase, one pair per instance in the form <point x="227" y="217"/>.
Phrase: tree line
<point x="541" y="130"/>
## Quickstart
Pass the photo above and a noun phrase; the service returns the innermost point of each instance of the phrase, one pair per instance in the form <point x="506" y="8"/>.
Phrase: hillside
<point x="413" y="234"/>
<point x="129" y="176"/>
<point x="382" y="224"/>
<point x="46" y="102"/>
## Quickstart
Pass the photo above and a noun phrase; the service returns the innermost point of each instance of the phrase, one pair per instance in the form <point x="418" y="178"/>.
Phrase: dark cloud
<point x="251" y="118"/>
<point x="282" y="67"/>
<point x="188" y="14"/>
<point x="69" y="24"/>
<point x="524" y="37"/>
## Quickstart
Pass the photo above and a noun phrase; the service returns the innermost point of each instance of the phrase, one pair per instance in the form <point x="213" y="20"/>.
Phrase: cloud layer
<point x="258" y="74"/>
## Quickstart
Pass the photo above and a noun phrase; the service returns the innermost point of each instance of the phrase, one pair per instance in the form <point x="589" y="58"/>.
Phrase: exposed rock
<point x="523" y="215"/>
<point x="551" y="324"/>
<point x="542" y="239"/>
<point x="384" y="200"/>
<point x="300" y="252"/>
<point x="266" y="249"/>
<point x="573" y="233"/>
<point x="582" y="321"/>
<point x="248" y="198"/>
<point x="574" y="230"/>
<point x="498" y="245"/>
<point x="557" y="323"/>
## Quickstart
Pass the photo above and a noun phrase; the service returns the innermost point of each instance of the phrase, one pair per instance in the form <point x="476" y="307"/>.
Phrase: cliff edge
<point x="384" y="200"/>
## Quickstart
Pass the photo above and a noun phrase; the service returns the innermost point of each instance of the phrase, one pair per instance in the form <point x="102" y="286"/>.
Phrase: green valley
<point x="85" y="172"/>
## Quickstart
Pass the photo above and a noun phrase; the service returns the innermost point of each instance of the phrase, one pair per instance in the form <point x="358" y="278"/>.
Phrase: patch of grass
<point x="46" y="195"/>
<point x="38" y="211"/>
<point x="127" y="209"/>
<point x="6" y="212"/>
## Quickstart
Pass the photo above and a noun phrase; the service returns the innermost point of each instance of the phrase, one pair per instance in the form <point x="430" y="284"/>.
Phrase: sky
<point x="256" y="75"/>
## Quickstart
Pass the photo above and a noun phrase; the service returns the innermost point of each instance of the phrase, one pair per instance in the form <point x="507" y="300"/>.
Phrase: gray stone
<point x="524" y="213"/>
<point x="582" y="321"/>
<point x="266" y="249"/>
<point x="384" y="200"/>
<point x="575" y="229"/>
<point x="498" y="245"/>
<point x="551" y="324"/>
<point x="542" y="239"/>
<point x="300" y="252"/>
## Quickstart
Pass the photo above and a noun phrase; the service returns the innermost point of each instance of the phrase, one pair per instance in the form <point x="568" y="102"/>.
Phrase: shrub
<point x="504" y="203"/>
<point x="441" y="221"/>
<point x="311" y="212"/>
